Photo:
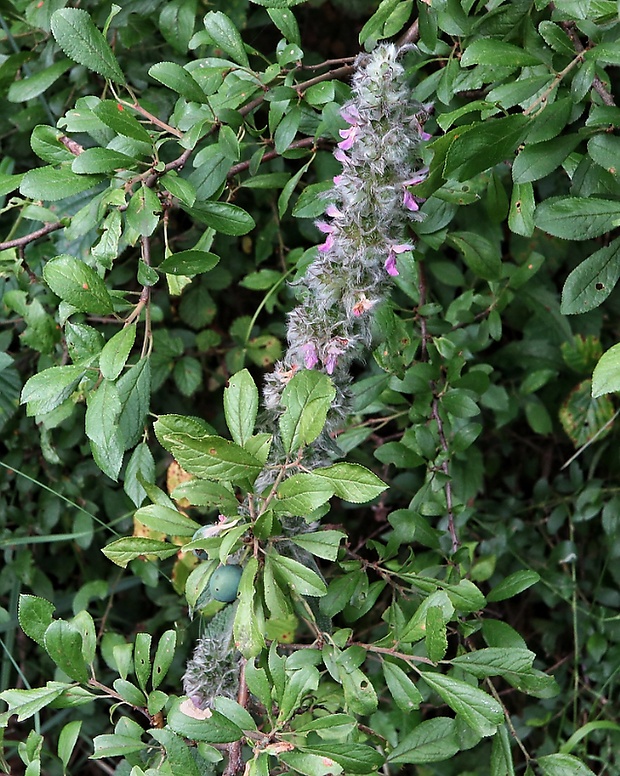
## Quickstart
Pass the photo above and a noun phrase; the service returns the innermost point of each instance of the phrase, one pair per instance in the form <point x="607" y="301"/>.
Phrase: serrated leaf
<point x="512" y="585"/>
<point x="223" y="217"/>
<point x="431" y="741"/>
<point x="48" y="389"/>
<point x="179" y="80"/>
<point x="63" y="643"/>
<point x="142" y="213"/>
<point x="35" y="616"/>
<point x="495" y="661"/>
<point x="592" y="281"/>
<point x="119" y="118"/>
<point x="406" y="695"/>
<point x="241" y="406"/>
<point x="563" y="765"/>
<point x="354" y="758"/>
<point x="491" y="51"/>
<point x="606" y="375"/>
<point x="249" y="639"/>
<point x="225" y="35"/>
<point x="164" y="655"/>
<point x="33" y="85"/>
<point x="298" y="577"/>
<point x="352" y="482"/>
<point x="123" y="550"/>
<point x="323" y="544"/>
<point x="301" y="494"/>
<point x="116" y="351"/>
<point x="115" y="745"/>
<point x="481" y="255"/>
<point x="212" y="457"/>
<point x="584" y="417"/>
<point x="26" y="703"/>
<point x="477" y="708"/>
<point x="80" y="40"/>
<point x="538" y="160"/>
<point x="102" y="428"/>
<point x="67" y="740"/>
<point x="482" y="146"/>
<point x="307" y="398"/>
<point x="167" y="520"/>
<point x="54" y="183"/>
<point x="577" y="218"/>
<point x="78" y="284"/>
<point x="205" y="493"/>
<point x="436" y="638"/>
<point x="101" y="160"/>
<point x="189" y="263"/>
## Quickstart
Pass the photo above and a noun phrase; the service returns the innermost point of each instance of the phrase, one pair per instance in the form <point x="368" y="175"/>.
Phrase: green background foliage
<point x="161" y="167"/>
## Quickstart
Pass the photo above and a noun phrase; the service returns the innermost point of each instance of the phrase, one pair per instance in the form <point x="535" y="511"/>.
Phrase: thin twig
<point x="306" y="142"/>
<point x="19" y="241"/>
<point x="597" y="84"/>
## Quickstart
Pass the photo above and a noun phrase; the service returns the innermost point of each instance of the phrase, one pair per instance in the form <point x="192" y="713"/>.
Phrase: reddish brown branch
<point x="19" y="241"/>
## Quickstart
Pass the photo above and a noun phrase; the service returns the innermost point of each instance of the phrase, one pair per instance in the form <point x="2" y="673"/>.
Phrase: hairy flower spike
<point x="366" y="227"/>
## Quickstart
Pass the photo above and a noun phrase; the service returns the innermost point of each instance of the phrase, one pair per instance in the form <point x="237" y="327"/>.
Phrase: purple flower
<point x="311" y="358"/>
<point x="333" y="211"/>
<point x="423" y="135"/>
<point x="324" y="227"/>
<point x="340" y="155"/>
<point x="421" y="175"/>
<point x="330" y="363"/>
<point x="337" y="179"/>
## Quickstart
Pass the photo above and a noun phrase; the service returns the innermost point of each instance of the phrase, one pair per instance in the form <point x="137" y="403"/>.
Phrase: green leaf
<point x="116" y="352"/>
<point x="606" y="375"/>
<point x="143" y="211"/>
<point x="166" y="520"/>
<point x="538" y="160"/>
<point x="179" y="80"/>
<point x="212" y="457"/>
<point x="115" y="745"/>
<point x="352" y="482"/>
<point x="298" y="577"/>
<point x="176" y="22"/>
<point x="119" y="118"/>
<point x="164" y="655"/>
<point x="563" y="765"/>
<point x="209" y="726"/>
<point x="310" y="764"/>
<point x="249" y="639"/>
<point x="285" y="134"/>
<point x="481" y="255"/>
<point x="310" y="203"/>
<point x="142" y="658"/>
<point x="223" y="217"/>
<point x="123" y="550"/>
<point x="431" y="741"/>
<point x="102" y="428"/>
<point x="134" y="391"/>
<point x="494" y="661"/>
<point x="48" y="389"/>
<point x="287" y="24"/>
<point x="583" y="417"/>
<point x="54" y="183"/>
<point x="415" y="629"/>
<point x="307" y="398"/>
<point x="67" y="740"/>
<point x="80" y="40"/>
<point x="354" y="758"/>
<point x="34" y="85"/>
<point x="490" y="51"/>
<point x="512" y="585"/>
<point x="477" y="708"/>
<point x="577" y="218"/>
<point x="189" y="263"/>
<point x="591" y="282"/>
<point x="225" y="35"/>
<point x="35" y="616"/>
<point x="241" y="406"/>
<point x="204" y="493"/>
<point x="371" y="31"/>
<point x="301" y="494"/>
<point x="26" y="703"/>
<point x="96" y="160"/>
<point x="323" y="544"/>
<point x="501" y="754"/>
<point x="406" y="695"/>
<point x="63" y="643"/>
<point x="477" y="148"/>
<point x="178" y="754"/>
<point x="78" y="284"/>
<point x="435" y="639"/>
<point x="521" y="215"/>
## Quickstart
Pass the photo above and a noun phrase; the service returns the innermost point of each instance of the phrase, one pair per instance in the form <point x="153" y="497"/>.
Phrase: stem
<point x="19" y="241"/>
<point x="306" y="142"/>
<point x="554" y="84"/>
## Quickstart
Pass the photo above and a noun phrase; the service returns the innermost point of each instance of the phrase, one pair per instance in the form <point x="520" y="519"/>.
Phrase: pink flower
<point x="330" y="363"/>
<point x="409" y="201"/>
<point x="350" y="114"/>
<point x="333" y="211"/>
<point x="327" y="245"/>
<point x="349" y="136"/>
<point x="324" y="227"/>
<point x="390" y="262"/>
<point x="311" y="358"/>
<point x="340" y="155"/>
<point x="421" y="175"/>
<point x="337" y="179"/>
<point x="423" y="135"/>
<point x="362" y="305"/>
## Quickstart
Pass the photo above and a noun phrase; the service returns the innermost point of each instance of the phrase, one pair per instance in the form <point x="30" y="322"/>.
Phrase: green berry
<point x="224" y="583"/>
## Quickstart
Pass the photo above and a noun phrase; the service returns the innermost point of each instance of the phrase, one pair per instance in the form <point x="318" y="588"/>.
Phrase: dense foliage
<point x="404" y="553"/>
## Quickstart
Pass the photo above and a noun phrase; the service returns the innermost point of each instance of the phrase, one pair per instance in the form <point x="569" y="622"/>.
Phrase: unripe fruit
<point x="224" y="583"/>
